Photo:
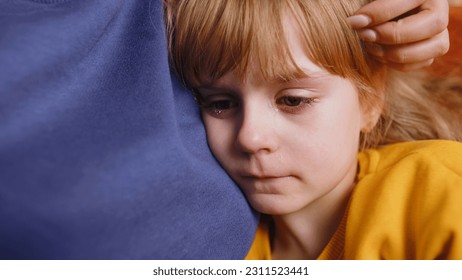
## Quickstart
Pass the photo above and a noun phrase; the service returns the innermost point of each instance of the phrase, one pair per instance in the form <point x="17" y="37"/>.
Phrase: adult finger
<point x="425" y="24"/>
<point x="381" y="11"/>
<point x="410" y="29"/>
<point x="406" y="67"/>
<point x="413" y="52"/>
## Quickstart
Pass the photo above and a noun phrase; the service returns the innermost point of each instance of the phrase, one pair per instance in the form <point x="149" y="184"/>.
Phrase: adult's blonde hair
<point x="209" y="38"/>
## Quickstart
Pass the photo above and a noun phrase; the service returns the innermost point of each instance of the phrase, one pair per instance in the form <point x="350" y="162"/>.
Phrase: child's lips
<point x="265" y="183"/>
<point x="266" y="176"/>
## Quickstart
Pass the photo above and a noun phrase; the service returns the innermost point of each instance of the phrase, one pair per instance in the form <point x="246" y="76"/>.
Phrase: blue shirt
<point x="102" y="151"/>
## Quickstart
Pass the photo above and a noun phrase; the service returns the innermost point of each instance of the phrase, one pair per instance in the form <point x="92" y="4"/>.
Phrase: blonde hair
<point x="209" y="38"/>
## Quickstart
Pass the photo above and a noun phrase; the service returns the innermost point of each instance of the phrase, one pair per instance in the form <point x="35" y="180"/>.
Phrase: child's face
<point x="287" y="144"/>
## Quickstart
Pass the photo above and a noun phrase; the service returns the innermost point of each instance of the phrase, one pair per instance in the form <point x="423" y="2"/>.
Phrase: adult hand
<point x="406" y="35"/>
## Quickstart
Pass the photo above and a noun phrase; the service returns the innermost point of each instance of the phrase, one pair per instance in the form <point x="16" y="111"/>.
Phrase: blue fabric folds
<point x="102" y="152"/>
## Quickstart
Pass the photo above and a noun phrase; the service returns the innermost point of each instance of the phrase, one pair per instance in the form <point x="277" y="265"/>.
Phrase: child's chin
<point x="272" y="204"/>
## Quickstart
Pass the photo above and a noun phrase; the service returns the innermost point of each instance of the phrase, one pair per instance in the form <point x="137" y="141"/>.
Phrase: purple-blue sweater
<point x="102" y="152"/>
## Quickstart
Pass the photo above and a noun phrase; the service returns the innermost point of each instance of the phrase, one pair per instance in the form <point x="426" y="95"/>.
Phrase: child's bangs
<point x="219" y="36"/>
<point x="216" y="37"/>
<point x="330" y="42"/>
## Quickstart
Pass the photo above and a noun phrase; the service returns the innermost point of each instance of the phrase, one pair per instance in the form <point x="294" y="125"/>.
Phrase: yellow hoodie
<point x="407" y="204"/>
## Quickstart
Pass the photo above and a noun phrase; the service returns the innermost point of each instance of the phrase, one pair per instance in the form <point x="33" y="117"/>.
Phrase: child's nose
<point x="257" y="132"/>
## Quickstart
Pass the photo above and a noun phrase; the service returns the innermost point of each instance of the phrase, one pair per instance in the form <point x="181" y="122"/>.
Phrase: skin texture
<point x="291" y="146"/>
<point x="406" y="35"/>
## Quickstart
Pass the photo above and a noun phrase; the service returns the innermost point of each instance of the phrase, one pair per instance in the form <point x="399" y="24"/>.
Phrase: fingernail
<point x="359" y="21"/>
<point x="368" y="35"/>
<point x="375" y="49"/>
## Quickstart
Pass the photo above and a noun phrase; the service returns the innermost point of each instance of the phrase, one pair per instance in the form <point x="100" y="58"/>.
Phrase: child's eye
<point x="222" y="105"/>
<point x="289" y="101"/>
<point x="293" y="104"/>
<point x="221" y="108"/>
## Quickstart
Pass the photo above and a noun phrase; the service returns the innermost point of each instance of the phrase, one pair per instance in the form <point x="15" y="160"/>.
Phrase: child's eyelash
<point x="294" y="104"/>
<point x="219" y="108"/>
<point x="293" y="101"/>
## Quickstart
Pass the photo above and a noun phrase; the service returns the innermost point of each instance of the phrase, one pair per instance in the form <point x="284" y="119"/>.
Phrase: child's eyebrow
<point x="297" y="78"/>
<point x="213" y="88"/>
<point x="284" y="78"/>
<point x="216" y="85"/>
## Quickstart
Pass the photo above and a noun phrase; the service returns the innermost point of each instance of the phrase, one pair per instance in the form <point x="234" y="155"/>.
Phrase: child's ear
<point x="372" y="108"/>
<point x="371" y="114"/>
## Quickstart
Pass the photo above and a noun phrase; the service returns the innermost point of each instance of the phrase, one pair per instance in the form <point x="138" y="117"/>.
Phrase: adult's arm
<point x="102" y="152"/>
